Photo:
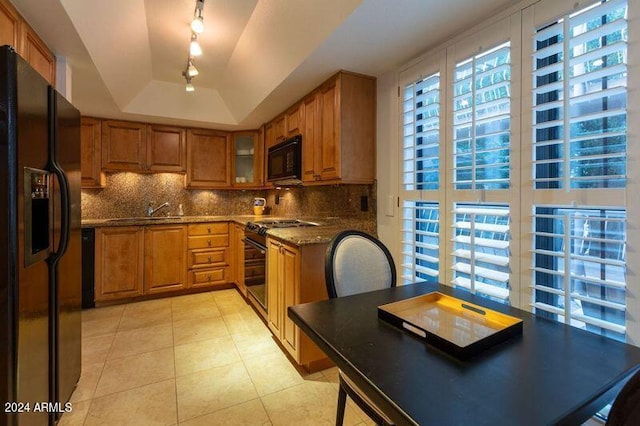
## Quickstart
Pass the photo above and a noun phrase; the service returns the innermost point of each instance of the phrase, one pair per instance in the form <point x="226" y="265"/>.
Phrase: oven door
<point x="255" y="262"/>
<point x="284" y="161"/>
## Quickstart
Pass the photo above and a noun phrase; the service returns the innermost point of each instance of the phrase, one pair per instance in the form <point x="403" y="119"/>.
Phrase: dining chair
<point x="625" y="410"/>
<point x="355" y="263"/>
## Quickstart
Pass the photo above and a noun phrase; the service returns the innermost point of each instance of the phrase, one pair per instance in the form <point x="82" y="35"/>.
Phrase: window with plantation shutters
<point x="580" y="269"/>
<point x="518" y="173"/>
<point x="580" y="99"/>
<point x="579" y="143"/>
<point x="420" y="241"/>
<point x="481" y="249"/>
<point x="482" y="120"/>
<point x="421" y="134"/>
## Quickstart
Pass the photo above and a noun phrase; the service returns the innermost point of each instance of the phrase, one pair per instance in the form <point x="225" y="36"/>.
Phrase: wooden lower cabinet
<point x="137" y="261"/>
<point x="119" y="263"/>
<point x="165" y="258"/>
<point x="237" y="257"/>
<point x="208" y="277"/>
<point x="294" y="275"/>
<point x="208" y="255"/>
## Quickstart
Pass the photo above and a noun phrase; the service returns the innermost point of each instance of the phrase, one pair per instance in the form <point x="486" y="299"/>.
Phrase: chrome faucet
<point x="151" y="211"/>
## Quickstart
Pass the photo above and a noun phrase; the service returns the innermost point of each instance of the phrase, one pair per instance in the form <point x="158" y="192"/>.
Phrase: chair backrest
<point x="355" y="263"/>
<point x="625" y="410"/>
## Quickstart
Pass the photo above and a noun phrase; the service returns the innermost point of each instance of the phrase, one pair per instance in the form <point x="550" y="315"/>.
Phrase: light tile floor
<point x="203" y="359"/>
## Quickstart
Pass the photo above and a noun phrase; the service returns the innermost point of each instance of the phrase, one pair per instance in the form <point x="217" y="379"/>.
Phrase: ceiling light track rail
<point x="197" y="26"/>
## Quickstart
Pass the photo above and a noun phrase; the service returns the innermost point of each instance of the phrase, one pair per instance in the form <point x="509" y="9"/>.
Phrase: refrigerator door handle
<point x="65" y="209"/>
<point x="65" y="197"/>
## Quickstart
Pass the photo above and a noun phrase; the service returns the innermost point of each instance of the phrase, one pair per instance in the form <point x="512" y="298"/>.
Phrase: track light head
<point x="197" y="25"/>
<point x="194" y="47"/>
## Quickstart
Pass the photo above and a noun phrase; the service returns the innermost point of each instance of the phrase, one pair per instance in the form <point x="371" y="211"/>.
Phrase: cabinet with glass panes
<point x="247" y="159"/>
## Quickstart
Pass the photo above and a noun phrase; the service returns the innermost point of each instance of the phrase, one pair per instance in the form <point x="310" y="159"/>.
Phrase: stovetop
<point x="261" y="226"/>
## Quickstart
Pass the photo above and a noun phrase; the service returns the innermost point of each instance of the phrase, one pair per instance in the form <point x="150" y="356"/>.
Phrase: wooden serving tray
<point x="457" y="327"/>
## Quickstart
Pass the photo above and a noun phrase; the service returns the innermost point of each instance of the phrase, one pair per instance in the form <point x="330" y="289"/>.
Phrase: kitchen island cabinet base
<point x="294" y="275"/>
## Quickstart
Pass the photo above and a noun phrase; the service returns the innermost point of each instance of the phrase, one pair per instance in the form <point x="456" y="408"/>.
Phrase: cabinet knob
<point x="208" y="277"/>
<point x="209" y="243"/>
<point x="209" y="230"/>
<point x="209" y="259"/>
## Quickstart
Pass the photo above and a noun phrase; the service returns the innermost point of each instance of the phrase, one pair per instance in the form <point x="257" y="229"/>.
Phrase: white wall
<point x="63" y="77"/>
<point x="387" y="161"/>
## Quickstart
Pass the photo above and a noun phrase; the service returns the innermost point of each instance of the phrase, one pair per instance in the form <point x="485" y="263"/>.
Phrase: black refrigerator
<point x="40" y="246"/>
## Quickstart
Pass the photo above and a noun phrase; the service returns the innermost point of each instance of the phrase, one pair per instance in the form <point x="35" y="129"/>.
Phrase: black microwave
<point x="284" y="162"/>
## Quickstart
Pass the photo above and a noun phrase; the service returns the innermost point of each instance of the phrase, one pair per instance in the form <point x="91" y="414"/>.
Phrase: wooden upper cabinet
<point x="339" y="143"/>
<point x="9" y="25"/>
<point x="208" y="159"/>
<point x="328" y="156"/>
<point x="269" y="137"/>
<point x="15" y="32"/>
<point x="90" y="152"/>
<point x="246" y="156"/>
<point x="166" y="149"/>
<point x="310" y="137"/>
<point x="294" y="120"/>
<point x="279" y="129"/>
<point x="38" y="55"/>
<point x="123" y="145"/>
<point x="141" y="147"/>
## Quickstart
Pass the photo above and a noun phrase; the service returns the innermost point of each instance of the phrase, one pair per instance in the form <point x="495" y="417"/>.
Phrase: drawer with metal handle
<point x="208" y="228"/>
<point x="204" y="258"/>
<point x="206" y="277"/>
<point x="208" y="241"/>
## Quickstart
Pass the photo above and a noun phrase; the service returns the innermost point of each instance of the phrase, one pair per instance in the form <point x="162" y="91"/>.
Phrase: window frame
<point x="526" y="16"/>
<point x="534" y="17"/>
<point x="435" y="63"/>
<point x="505" y="30"/>
<point x="444" y="61"/>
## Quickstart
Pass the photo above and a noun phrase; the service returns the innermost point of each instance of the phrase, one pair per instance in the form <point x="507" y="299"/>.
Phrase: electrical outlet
<point x="390" y="206"/>
<point x="364" y="203"/>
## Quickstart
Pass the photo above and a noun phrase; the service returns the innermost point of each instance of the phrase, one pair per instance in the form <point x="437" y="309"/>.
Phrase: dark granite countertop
<point x="327" y="227"/>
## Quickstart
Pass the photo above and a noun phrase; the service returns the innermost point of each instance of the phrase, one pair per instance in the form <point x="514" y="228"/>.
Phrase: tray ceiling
<point x="126" y="56"/>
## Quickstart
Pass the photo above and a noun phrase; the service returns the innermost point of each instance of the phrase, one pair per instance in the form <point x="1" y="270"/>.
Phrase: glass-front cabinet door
<point x="247" y="159"/>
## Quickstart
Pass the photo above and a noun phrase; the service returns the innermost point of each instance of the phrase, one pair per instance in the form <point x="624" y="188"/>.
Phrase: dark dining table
<point x="551" y="374"/>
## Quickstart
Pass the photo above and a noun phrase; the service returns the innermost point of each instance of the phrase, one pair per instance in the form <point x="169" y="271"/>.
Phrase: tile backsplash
<point x="128" y="195"/>
<point x="323" y="201"/>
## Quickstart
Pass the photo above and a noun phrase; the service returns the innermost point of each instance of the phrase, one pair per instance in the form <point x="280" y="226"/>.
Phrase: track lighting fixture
<point x="192" y="71"/>
<point x="194" y="47"/>
<point x="197" y="26"/>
